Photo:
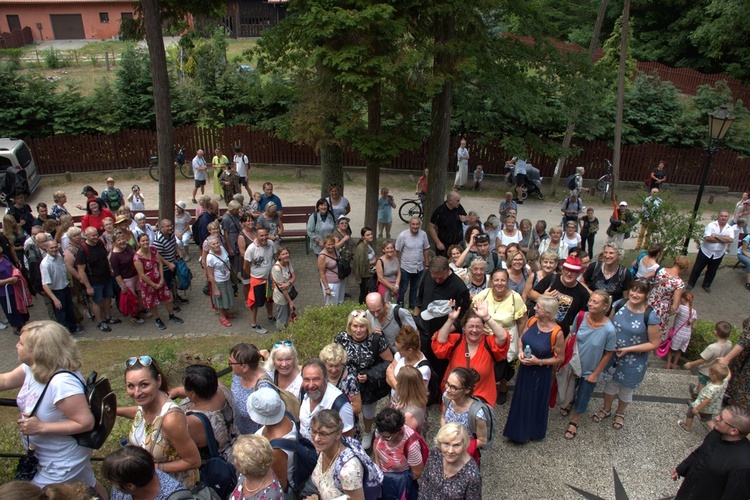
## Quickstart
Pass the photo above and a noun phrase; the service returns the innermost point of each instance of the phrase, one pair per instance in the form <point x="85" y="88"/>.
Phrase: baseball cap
<point x="436" y="309"/>
<point x="623" y="203"/>
<point x="344" y="217"/>
<point x="265" y="406"/>
<point x="572" y="263"/>
<point x="86" y="189"/>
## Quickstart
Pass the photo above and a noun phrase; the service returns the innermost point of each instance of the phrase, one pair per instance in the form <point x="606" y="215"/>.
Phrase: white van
<point x="14" y="153"/>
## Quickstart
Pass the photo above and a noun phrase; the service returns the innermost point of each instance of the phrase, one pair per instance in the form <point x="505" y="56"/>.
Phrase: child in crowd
<point x="255" y="205"/>
<point x="683" y="329"/>
<point x="385" y="213"/>
<point x="502" y="252"/>
<point x="708" y="402"/>
<point x="478" y="178"/>
<point x="710" y="355"/>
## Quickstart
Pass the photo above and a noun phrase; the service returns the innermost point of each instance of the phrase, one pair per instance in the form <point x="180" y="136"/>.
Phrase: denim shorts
<point x="103" y="291"/>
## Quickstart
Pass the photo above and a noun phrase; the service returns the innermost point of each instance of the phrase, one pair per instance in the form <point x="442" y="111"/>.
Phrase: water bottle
<point x="527" y="352"/>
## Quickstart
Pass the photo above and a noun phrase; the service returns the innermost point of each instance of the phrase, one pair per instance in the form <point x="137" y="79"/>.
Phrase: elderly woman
<point x="450" y="473"/>
<point x="183" y="229"/>
<point x="45" y="347"/>
<point x="637" y="326"/>
<point x="571" y="236"/>
<point x="283" y="367"/>
<point x="667" y="291"/>
<point x="510" y="233"/>
<point x="253" y="457"/>
<point x="388" y="269"/>
<point x="154" y="291"/>
<point x="608" y="274"/>
<point x="244" y="360"/>
<point x="340" y="471"/>
<point x="58" y="209"/>
<point x="474" y="347"/>
<point x="364" y="261"/>
<point x="123" y="223"/>
<point x="203" y="393"/>
<point x="320" y="224"/>
<point x="398" y="453"/>
<point x="368" y="355"/>
<point x="508" y="310"/>
<point x="132" y="472"/>
<point x="96" y="212"/>
<point x="555" y="243"/>
<point x="477" y="276"/>
<point x="283" y="278"/>
<point x="541" y="348"/>
<point x="596" y="340"/>
<point x="334" y="288"/>
<point x="218" y="270"/>
<point x="108" y="236"/>
<point x="340" y="376"/>
<point x="159" y="425"/>
<point x="270" y="220"/>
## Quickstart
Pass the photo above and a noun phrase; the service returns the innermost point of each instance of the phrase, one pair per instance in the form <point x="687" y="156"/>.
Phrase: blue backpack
<point x="183" y="274"/>
<point x="373" y="477"/>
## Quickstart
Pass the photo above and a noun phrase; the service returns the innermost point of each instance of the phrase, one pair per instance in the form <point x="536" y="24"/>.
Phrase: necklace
<point x="326" y="468"/>
<point x="248" y="491"/>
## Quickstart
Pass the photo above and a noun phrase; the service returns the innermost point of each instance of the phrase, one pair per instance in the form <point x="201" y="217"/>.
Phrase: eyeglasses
<point x="453" y="388"/>
<point x="143" y="360"/>
<point x="321" y="433"/>
<point x="355" y="314"/>
<point x="285" y="343"/>
<point x="720" y="419"/>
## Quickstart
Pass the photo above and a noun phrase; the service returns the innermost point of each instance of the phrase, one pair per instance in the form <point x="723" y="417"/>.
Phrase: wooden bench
<point x="293" y="216"/>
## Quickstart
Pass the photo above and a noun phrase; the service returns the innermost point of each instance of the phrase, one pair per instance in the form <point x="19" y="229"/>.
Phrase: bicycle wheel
<point x="153" y="171"/>
<point x="601" y="184"/>
<point x="186" y="169"/>
<point x="605" y="191"/>
<point x="409" y="209"/>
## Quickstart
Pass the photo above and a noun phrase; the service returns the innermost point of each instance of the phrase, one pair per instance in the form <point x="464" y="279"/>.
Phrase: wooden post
<point x="37" y="58"/>
<point x="106" y="59"/>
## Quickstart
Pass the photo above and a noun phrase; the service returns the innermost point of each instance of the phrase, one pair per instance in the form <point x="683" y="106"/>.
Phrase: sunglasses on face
<point x="143" y="360"/>
<point x="285" y="343"/>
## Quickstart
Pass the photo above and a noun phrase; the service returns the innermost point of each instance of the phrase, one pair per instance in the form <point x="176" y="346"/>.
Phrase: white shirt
<point x="220" y="265"/>
<point x="716" y="250"/>
<point x="411" y="249"/>
<point x="198" y="162"/>
<point x="242" y="162"/>
<point x="54" y="272"/>
<point x="261" y="259"/>
<point x="305" y="415"/>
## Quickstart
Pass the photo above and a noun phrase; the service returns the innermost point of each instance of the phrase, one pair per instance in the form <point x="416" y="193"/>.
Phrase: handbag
<point x="665" y="344"/>
<point x="291" y="290"/>
<point x="28" y="465"/>
<point x="232" y="273"/>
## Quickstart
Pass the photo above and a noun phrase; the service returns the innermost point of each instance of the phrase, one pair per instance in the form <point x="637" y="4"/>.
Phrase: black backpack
<point x="572" y="181"/>
<point x="102" y="403"/>
<point x="194" y="229"/>
<point x="216" y="472"/>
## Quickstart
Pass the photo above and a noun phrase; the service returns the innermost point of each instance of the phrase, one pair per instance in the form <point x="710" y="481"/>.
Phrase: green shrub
<point x="53" y="60"/>
<point x="94" y="61"/>
<point x="11" y="58"/>
<point x="702" y="336"/>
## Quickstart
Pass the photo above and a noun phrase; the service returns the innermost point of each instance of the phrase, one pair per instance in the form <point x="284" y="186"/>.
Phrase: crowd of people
<point x="500" y="299"/>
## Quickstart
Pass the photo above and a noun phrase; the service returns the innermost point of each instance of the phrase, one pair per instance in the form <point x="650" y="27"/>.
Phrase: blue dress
<point x="527" y="418"/>
<point x="632" y="329"/>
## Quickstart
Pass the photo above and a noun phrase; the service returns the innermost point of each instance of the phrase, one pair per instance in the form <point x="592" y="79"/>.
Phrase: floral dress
<point x="150" y="438"/>
<point x="271" y="492"/>
<point x="152" y="269"/>
<point x="661" y="296"/>
<point x="466" y="483"/>
<point x="632" y="329"/>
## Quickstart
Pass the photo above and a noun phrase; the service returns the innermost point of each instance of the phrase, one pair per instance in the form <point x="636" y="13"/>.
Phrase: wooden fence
<point x="16" y="39"/>
<point x="132" y="148"/>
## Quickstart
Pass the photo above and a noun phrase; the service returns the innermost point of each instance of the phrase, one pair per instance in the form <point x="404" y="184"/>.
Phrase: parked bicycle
<point x="411" y="207"/>
<point x="185" y="168"/>
<point x="604" y="184"/>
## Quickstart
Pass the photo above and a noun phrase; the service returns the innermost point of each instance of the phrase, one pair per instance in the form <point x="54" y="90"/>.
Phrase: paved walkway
<point x="643" y="452"/>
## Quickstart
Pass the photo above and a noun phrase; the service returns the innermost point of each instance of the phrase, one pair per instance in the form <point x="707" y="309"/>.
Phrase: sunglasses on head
<point x="285" y="343"/>
<point x="354" y="314"/>
<point x="143" y="360"/>
<point x="481" y="238"/>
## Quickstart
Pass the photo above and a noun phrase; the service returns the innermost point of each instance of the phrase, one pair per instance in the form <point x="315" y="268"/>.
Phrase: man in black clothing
<point x="207" y="217"/>
<point x="438" y="286"/>
<point x="96" y="276"/>
<point x="446" y="223"/>
<point x="21" y="211"/>
<point x="720" y="466"/>
<point x="571" y="295"/>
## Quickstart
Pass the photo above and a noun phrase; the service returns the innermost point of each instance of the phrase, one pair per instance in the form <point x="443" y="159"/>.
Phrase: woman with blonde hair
<point x="108" y="236"/>
<point x="66" y="222"/>
<point x="283" y="366"/>
<point x="411" y="398"/>
<point x="58" y="209"/>
<point x="450" y="473"/>
<point x="270" y="220"/>
<point x="369" y="358"/>
<point x="335" y="358"/>
<point x="44" y="348"/>
<point x="253" y="457"/>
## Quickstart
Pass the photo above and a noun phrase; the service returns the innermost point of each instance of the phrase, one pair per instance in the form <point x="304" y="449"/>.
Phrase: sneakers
<point x="137" y="321"/>
<point x="113" y="321"/>
<point x="272" y="319"/>
<point x="186" y="258"/>
<point x="258" y="329"/>
<point x="681" y="425"/>
<point x="367" y="440"/>
<point x="145" y="314"/>
<point x="174" y="319"/>
<point x="195" y="202"/>
<point x="78" y="330"/>
<point x="104" y="327"/>
<point x="176" y="308"/>
<point x="3" y="326"/>
<point x="160" y="324"/>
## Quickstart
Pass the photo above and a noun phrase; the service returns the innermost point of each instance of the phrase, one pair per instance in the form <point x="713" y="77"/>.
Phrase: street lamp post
<point x="718" y="124"/>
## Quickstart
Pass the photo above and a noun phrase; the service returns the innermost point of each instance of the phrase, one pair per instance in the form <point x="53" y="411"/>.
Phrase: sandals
<point x="231" y="316"/>
<point x="565" y="410"/>
<point x="601" y="415"/>
<point x="618" y="425"/>
<point x="225" y="322"/>
<point x="681" y="425"/>
<point x="571" y="435"/>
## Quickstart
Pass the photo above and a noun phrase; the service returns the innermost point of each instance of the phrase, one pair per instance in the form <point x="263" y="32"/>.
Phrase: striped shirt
<point x="167" y="247"/>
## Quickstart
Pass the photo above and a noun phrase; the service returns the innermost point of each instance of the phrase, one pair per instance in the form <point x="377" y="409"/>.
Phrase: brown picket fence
<point x="132" y="148"/>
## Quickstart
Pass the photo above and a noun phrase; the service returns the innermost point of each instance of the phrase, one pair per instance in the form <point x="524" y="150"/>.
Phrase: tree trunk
<point x="620" y="98"/>
<point x="372" y="189"/>
<point x="438" y="153"/>
<point x="164" y="129"/>
<point x="572" y="123"/>
<point x="331" y="166"/>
